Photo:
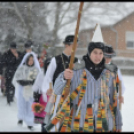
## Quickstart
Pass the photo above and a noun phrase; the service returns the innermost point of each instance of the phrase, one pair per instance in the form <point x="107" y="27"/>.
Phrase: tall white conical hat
<point x="97" y="37"/>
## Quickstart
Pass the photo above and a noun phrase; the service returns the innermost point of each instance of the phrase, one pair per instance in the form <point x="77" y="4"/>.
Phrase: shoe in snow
<point x="20" y="122"/>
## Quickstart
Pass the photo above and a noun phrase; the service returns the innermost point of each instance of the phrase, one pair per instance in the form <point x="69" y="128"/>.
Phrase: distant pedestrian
<point x="10" y="60"/>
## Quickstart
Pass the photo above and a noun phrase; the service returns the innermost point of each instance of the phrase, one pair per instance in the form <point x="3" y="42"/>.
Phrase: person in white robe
<point x="24" y="81"/>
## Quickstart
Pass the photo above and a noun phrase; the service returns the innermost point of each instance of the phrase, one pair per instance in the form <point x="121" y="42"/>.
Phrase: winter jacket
<point x="11" y="63"/>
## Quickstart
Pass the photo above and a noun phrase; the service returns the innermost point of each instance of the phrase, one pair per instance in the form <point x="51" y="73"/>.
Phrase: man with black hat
<point x="10" y="60"/>
<point x="109" y="53"/>
<point x="28" y="48"/>
<point x="57" y="65"/>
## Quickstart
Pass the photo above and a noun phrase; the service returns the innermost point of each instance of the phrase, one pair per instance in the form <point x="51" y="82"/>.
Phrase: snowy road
<point x="8" y="114"/>
<point x="128" y="106"/>
<point x="8" y="118"/>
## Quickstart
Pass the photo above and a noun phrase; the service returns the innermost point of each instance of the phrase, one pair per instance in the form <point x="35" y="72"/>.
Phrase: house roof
<point x="108" y="26"/>
<point x="132" y="13"/>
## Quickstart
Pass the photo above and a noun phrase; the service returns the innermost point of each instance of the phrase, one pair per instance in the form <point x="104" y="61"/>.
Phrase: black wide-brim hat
<point x="13" y="45"/>
<point x="69" y="39"/>
<point x="109" y="52"/>
<point x="28" y="44"/>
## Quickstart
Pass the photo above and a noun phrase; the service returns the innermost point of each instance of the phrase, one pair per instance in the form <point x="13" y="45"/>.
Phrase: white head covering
<point x="17" y="77"/>
<point x="36" y="62"/>
<point x="97" y="37"/>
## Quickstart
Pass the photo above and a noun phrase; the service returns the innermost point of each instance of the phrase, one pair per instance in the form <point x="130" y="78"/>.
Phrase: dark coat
<point x="9" y="61"/>
<point x="22" y="55"/>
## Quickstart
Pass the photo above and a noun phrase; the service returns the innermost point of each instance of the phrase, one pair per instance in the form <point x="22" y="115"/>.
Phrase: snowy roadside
<point x="8" y="118"/>
<point x="8" y="114"/>
<point x="127" y="107"/>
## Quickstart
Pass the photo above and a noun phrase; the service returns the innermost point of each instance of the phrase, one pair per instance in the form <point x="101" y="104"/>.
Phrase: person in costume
<point x="57" y="65"/>
<point x="109" y="53"/>
<point x="24" y="80"/>
<point x="39" y="118"/>
<point x="92" y="105"/>
<point x="46" y="64"/>
<point x="42" y="58"/>
<point x="10" y="61"/>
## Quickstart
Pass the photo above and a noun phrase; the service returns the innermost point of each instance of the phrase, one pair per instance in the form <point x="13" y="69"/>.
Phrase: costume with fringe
<point x="91" y="105"/>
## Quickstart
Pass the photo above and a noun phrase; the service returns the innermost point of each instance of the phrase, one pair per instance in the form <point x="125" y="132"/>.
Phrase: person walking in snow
<point x="93" y="103"/>
<point x="24" y="80"/>
<point x="109" y="53"/>
<point x="10" y="60"/>
<point x="57" y="65"/>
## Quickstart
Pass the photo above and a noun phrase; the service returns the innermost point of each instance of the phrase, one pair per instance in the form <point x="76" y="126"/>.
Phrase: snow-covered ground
<point x="8" y="114"/>
<point x="128" y="106"/>
<point x="8" y="118"/>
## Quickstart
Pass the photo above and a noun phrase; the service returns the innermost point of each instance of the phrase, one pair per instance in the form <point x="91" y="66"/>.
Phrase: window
<point x="130" y="39"/>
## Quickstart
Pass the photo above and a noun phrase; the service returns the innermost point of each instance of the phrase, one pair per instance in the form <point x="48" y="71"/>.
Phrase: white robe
<point x="24" y="94"/>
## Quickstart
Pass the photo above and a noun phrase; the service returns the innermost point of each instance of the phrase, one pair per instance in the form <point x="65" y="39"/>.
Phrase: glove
<point x="25" y="82"/>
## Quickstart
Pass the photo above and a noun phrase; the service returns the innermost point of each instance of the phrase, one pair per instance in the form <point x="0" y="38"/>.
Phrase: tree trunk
<point x="56" y="25"/>
<point x="29" y="22"/>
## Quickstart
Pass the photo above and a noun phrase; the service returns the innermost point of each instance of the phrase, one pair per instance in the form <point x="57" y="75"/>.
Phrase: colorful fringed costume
<point x="90" y="106"/>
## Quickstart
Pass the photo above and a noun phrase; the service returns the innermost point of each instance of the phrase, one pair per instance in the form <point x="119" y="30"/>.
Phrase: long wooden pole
<point x="75" y="40"/>
<point x="120" y="94"/>
<point x="66" y="91"/>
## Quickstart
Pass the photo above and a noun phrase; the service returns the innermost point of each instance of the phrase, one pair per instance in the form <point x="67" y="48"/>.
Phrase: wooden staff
<point x="66" y="90"/>
<point x="119" y="90"/>
<point x="120" y="94"/>
<point x="75" y="41"/>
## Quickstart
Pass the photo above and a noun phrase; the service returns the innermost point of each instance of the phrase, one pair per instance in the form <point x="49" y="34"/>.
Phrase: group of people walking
<point x="93" y="101"/>
<point x="9" y="62"/>
<point x="94" y="91"/>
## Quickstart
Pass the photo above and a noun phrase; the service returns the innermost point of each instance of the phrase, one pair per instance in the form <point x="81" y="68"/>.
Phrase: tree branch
<point x="18" y="13"/>
<point x="7" y="8"/>
<point x="65" y="13"/>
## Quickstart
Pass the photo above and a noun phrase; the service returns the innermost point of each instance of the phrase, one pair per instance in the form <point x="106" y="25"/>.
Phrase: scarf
<point x="95" y="70"/>
<point x="65" y="109"/>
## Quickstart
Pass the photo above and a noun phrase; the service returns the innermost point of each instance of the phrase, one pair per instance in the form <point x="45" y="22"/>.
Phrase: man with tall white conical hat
<point x="93" y="98"/>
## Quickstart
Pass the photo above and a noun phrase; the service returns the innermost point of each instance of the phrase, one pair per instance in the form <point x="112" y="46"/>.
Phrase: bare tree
<point x="65" y="14"/>
<point x="50" y="21"/>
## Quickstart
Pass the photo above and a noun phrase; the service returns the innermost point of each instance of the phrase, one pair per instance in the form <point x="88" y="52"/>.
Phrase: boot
<point x="8" y="99"/>
<point x="30" y="127"/>
<point x="20" y="122"/>
<point x="11" y="95"/>
<point x="43" y="127"/>
<point x="12" y="99"/>
<point x="8" y="102"/>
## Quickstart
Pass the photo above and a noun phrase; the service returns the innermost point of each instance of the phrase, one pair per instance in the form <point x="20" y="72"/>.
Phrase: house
<point x="120" y="35"/>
